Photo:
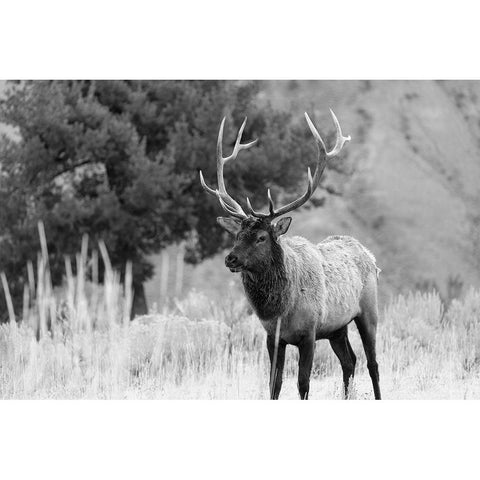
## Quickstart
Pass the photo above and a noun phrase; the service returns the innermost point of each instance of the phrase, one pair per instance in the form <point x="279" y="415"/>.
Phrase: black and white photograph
<point x="212" y="211"/>
<point x="240" y="239"/>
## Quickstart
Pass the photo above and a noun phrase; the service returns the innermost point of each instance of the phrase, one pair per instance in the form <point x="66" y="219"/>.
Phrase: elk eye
<point x="261" y="239"/>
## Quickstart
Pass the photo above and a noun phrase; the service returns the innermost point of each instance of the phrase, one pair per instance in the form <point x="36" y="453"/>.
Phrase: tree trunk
<point x="139" y="306"/>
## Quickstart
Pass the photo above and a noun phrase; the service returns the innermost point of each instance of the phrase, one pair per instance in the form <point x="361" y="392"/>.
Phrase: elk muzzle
<point x="233" y="263"/>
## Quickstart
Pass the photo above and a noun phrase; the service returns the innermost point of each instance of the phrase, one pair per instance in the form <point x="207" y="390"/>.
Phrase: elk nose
<point x="231" y="260"/>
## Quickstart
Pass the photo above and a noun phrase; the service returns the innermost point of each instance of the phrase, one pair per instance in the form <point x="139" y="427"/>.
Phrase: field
<point x="408" y="201"/>
<point x="79" y="342"/>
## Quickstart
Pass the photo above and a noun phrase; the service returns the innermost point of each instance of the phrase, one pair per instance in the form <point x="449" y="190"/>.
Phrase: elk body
<point x="301" y="292"/>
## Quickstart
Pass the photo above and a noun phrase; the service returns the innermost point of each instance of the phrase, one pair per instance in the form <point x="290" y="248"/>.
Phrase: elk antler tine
<point x="220" y="140"/>
<point x="240" y="133"/>
<point x="337" y="125"/>
<point x="341" y="140"/>
<point x="205" y="186"/>
<point x="229" y="209"/>
<point x="226" y="207"/>
<point x="270" y="202"/>
<point x="254" y="212"/>
<point x="229" y="201"/>
<point x="315" y="133"/>
<point x="238" y="145"/>
<point x="309" y="190"/>
<point x="249" y="207"/>
<point x="244" y="146"/>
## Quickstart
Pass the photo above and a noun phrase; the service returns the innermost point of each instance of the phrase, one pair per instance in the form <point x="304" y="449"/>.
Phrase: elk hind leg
<point x="343" y="350"/>
<point x="367" y="326"/>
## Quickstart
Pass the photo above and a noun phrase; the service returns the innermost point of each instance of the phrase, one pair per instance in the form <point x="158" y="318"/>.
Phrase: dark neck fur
<point x="267" y="290"/>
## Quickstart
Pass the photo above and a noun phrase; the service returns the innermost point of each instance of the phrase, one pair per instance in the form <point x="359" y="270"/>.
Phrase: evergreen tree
<point x="119" y="161"/>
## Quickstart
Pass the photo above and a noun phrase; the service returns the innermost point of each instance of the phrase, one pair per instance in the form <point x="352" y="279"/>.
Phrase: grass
<point x="78" y="342"/>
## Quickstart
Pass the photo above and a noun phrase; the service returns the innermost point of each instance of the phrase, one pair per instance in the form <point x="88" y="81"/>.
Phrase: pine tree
<point x="119" y="161"/>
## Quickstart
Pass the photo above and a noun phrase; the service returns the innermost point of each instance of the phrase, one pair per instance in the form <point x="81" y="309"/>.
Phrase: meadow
<point x="202" y="341"/>
<point x="79" y="342"/>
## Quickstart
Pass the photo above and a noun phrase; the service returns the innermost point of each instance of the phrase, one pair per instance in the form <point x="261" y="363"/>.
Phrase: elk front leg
<point x="344" y="352"/>
<point x="276" y="352"/>
<point x="306" y="350"/>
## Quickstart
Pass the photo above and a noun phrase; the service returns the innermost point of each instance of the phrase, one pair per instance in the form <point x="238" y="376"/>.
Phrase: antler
<point x="226" y="201"/>
<point x="313" y="182"/>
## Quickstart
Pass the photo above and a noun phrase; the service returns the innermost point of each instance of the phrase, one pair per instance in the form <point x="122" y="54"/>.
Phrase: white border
<point x="247" y="39"/>
<point x="229" y="439"/>
<point x="304" y="39"/>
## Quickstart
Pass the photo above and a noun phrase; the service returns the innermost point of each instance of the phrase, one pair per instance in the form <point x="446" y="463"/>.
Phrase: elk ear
<point x="282" y="226"/>
<point x="231" y="225"/>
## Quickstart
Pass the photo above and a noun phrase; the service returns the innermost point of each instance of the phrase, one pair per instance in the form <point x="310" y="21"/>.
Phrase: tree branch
<point x="70" y="168"/>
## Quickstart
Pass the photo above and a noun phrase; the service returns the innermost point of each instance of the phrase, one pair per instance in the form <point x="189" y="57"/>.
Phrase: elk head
<point x="256" y="237"/>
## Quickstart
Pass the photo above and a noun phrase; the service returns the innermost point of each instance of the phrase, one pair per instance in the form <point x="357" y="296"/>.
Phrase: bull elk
<point x="300" y="291"/>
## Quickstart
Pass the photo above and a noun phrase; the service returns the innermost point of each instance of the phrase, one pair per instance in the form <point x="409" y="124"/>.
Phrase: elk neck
<point x="267" y="289"/>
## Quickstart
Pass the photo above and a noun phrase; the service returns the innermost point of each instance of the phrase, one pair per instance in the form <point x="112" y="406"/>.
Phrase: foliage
<point x="119" y="161"/>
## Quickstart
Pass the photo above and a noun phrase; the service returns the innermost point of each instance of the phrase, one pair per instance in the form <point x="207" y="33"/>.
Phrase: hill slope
<point x="414" y="197"/>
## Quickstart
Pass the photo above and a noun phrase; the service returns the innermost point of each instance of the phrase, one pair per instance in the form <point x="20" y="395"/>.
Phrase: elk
<point x="300" y="291"/>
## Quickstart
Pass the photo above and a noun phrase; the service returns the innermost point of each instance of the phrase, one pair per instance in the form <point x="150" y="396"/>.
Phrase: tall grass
<point x="78" y="342"/>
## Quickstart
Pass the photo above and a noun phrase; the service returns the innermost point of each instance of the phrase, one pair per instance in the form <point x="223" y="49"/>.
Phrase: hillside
<point x="413" y="199"/>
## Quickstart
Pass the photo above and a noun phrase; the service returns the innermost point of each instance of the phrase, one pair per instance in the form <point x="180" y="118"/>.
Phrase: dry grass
<point x="206" y="350"/>
<point x="78" y="342"/>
